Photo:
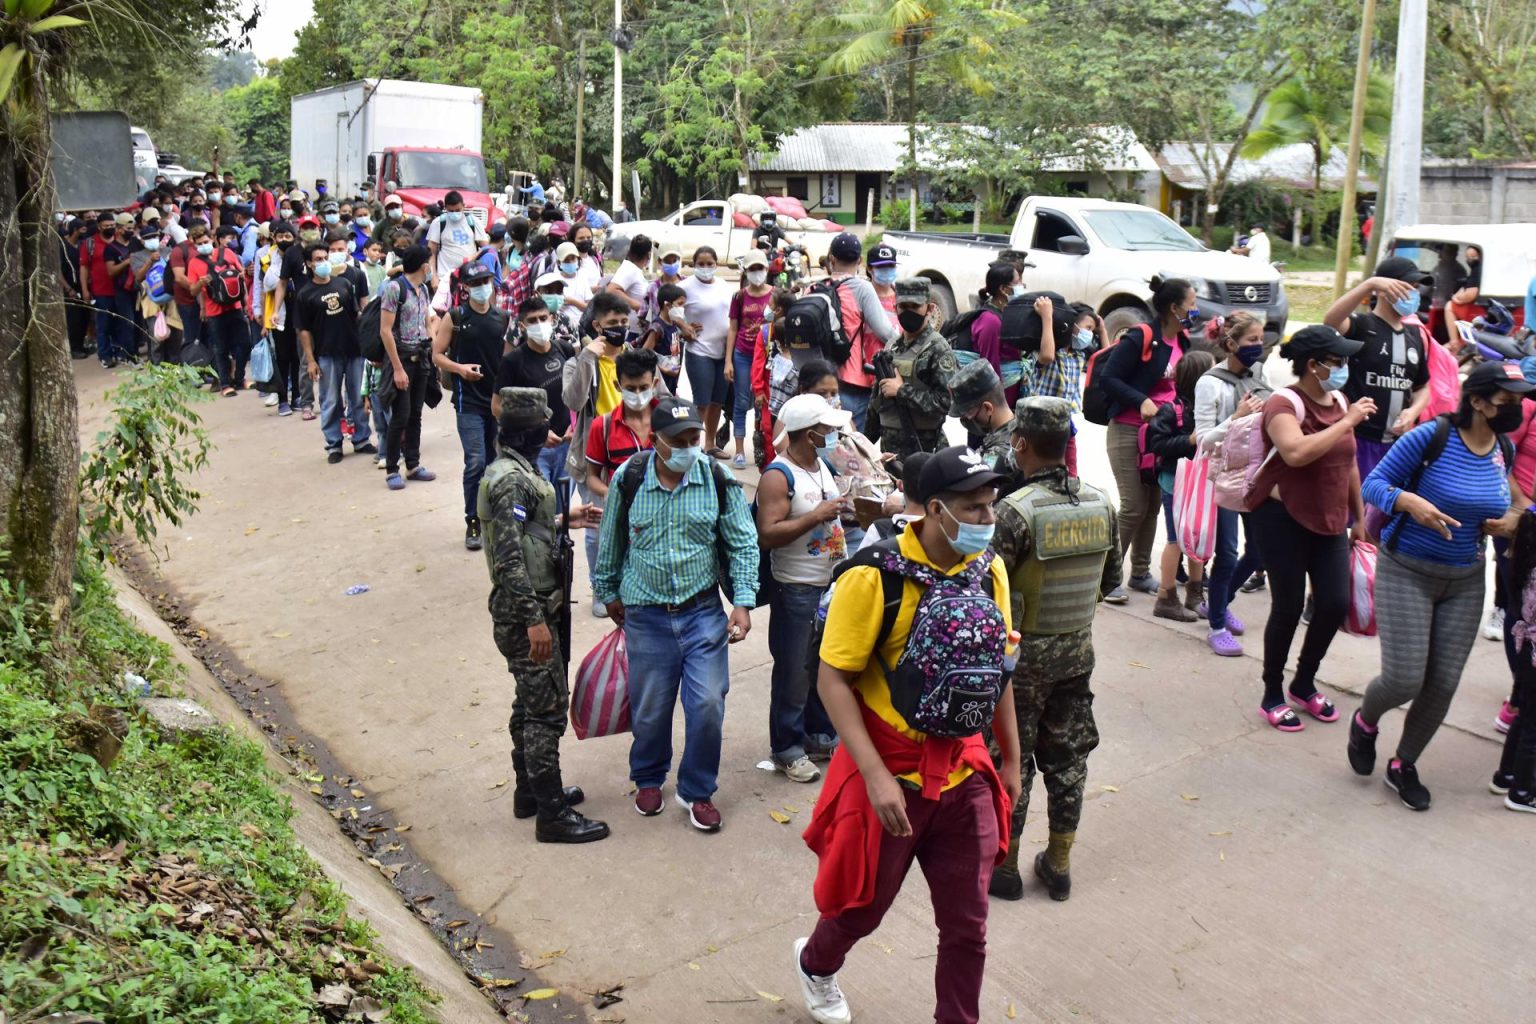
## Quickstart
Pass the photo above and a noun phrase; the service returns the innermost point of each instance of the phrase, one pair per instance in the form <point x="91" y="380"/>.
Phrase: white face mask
<point x="757" y="277"/>
<point x="338" y="259"/>
<point x="638" y="399"/>
<point x="541" y="332"/>
<point x="705" y="274"/>
<point x="678" y="314"/>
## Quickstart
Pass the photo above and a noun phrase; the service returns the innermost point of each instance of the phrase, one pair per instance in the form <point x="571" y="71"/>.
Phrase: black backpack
<point x="957" y="330"/>
<point x="815" y="321"/>
<point x="226" y="280"/>
<point x="1022" y="327"/>
<point x="370" y="341"/>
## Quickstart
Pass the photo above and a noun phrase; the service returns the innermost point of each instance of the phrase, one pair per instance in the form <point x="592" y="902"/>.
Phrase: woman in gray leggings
<point x="1445" y="484"/>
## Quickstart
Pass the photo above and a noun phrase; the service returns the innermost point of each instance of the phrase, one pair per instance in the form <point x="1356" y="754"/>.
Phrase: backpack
<point x="226" y="279"/>
<point x="157" y="282"/>
<point x="1021" y="324"/>
<point x="1097" y="405"/>
<point x="1245" y="450"/>
<point x="1378" y="522"/>
<point x="370" y="341"/>
<point x="633" y="475"/>
<point x="815" y="321"/>
<point x="957" y="331"/>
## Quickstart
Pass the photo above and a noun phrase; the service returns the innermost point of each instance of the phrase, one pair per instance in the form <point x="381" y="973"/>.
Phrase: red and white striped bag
<point x="1361" y="620"/>
<point x="1194" y="508"/>
<point x="600" y="698"/>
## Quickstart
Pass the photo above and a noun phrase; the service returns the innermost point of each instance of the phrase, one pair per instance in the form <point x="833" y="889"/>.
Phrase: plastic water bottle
<point x="1011" y="651"/>
<point x="136" y="685"/>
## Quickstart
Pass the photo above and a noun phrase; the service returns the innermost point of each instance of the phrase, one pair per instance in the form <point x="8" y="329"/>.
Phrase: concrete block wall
<point x="1477" y="194"/>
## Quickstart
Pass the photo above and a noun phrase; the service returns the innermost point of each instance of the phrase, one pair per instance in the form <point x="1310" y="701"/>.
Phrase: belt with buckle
<point x="698" y="600"/>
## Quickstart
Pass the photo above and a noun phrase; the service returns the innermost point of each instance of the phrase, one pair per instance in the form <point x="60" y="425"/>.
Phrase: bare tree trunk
<point x="39" y="417"/>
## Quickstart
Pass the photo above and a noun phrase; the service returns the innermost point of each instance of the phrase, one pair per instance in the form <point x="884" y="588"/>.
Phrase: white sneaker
<point x="799" y="770"/>
<point x="382" y="461"/>
<point x="271" y="400"/>
<point x="599" y="610"/>
<point x="823" y="998"/>
<point x="1493" y="627"/>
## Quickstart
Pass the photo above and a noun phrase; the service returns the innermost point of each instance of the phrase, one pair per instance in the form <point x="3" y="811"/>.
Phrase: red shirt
<point x="181" y="257"/>
<point x="94" y="254"/>
<point x="610" y="441"/>
<point x="1316" y="495"/>
<point x="198" y="268"/>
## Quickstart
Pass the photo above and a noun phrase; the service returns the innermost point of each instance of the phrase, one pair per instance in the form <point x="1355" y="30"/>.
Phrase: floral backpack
<point x="950" y="675"/>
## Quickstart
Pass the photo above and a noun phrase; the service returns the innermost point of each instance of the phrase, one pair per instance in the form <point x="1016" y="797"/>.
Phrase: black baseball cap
<point x="957" y="469"/>
<point x="845" y="248"/>
<point x="474" y="272"/>
<point x="672" y="416"/>
<point x="882" y="256"/>
<point x="1486" y="378"/>
<point x="1317" y="341"/>
<point x="1401" y="268"/>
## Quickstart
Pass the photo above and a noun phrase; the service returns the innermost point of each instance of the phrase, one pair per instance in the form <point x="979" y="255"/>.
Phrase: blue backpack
<point x="157" y="283"/>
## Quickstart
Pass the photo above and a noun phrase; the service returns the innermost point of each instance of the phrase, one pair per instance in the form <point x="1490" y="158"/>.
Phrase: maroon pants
<point x="954" y="839"/>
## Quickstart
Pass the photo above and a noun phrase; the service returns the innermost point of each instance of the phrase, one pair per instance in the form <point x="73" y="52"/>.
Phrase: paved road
<point x="1224" y="871"/>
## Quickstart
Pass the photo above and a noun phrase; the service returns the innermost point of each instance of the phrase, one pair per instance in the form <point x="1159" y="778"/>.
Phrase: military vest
<point x="1058" y="585"/>
<point x="537" y="523"/>
<point x="905" y="363"/>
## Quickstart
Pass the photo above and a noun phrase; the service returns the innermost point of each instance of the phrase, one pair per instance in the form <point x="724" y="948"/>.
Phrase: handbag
<point x="600" y="697"/>
<point x="1361" y="620"/>
<point x="1194" y="508"/>
<point x="263" y="364"/>
<point x="160" y="329"/>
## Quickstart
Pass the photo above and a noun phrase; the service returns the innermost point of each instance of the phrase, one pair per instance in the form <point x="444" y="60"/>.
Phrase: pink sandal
<point x="1318" y="706"/>
<point x="1282" y="717"/>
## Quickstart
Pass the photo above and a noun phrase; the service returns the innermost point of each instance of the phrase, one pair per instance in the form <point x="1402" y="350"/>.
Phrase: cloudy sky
<point x="274" y="33"/>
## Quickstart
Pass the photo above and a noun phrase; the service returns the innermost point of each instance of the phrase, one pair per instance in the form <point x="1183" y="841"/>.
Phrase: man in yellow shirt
<point x="895" y="794"/>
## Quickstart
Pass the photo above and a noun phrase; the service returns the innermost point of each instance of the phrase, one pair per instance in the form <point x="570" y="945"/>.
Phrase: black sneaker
<point x="1501" y="783"/>
<point x="333" y="456"/>
<point x="1518" y="800"/>
<point x="1403" y="779"/>
<point x="472" y="540"/>
<point x="366" y="448"/>
<point x="1362" y="747"/>
<point x="1254" y="583"/>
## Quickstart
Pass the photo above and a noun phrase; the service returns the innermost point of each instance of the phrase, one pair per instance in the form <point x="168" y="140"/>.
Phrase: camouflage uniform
<point x="926" y="365"/>
<point x="1051" y="681"/>
<point x="972" y="385"/>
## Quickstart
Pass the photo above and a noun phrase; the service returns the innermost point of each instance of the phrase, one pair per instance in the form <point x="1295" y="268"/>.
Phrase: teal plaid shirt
<point x="670" y="553"/>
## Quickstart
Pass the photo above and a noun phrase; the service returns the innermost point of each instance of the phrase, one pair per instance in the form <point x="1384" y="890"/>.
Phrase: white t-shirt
<point x="709" y="306"/>
<point x="632" y="279"/>
<point x="577" y="288"/>
<point x="455" y="242"/>
<point x="809" y="557"/>
<point x="1258" y="247"/>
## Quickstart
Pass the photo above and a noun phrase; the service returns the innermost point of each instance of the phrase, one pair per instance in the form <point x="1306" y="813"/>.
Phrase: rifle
<point x="882" y="367"/>
<point x="565" y="567"/>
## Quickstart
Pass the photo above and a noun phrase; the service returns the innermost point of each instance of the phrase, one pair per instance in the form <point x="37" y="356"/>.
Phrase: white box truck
<point x="418" y="140"/>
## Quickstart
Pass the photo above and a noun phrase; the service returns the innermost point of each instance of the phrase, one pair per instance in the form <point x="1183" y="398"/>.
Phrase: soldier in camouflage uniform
<point x="920" y="366"/>
<point x="1057" y="536"/>
<point x="519" y="517"/>
<point x="976" y="398"/>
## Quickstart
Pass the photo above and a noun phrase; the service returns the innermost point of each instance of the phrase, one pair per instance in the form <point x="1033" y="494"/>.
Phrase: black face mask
<point x="527" y="443"/>
<point x="911" y="320"/>
<point x="1507" y="418"/>
<point x="584" y="246"/>
<point x="284" y="244"/>
<point x="613" y="335"/>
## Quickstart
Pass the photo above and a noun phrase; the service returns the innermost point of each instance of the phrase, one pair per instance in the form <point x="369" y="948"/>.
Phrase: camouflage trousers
<point x="1056" y="735"/>
<point x="539" y="702"/>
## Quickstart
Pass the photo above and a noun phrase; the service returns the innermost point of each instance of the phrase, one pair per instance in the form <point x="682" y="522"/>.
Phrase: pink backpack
<point x="1243" y="451"/>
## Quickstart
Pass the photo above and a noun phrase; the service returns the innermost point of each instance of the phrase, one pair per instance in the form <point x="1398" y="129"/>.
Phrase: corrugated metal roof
<point x="875" y="146"/>
<point x="1289" y="166"/>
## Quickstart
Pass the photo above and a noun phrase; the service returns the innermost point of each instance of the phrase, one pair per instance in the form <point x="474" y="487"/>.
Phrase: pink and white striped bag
<point x="1194" y="508"/>
<point x="600" y="698"/>
<point x="1361" y="620"/>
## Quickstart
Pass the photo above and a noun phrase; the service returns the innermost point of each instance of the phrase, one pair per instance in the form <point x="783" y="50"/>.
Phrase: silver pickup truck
<point x="1098" y="252"/>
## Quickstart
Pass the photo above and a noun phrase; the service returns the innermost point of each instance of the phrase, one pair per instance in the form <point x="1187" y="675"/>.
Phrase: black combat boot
<point x="558" y="821"/>
<point x="524" y="803"/>
<point x="1058" y="884"/>
<point x="1007" y="883"/>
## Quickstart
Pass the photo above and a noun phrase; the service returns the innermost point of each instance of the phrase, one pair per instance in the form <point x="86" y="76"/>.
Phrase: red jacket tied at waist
<point x="845" y="832"/>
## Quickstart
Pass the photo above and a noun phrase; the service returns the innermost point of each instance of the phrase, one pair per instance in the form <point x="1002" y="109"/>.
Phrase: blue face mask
<point x="1191" y="319"/>
<point x="682" y="459"/>
<point x="1407" y="305"/>
<point x="1082" y="338"/>
<point x="553" y="302"/>
<point x="1338" y="376"/>
<point x="333" y="218"/>
<point x="569" y="268"/>
<point x="828" y="443"/>
<point x="885" y="275"/>
<point x="480" y="293"/>
<point x="969" y="538"/>
<point x="321" y="271"/>
<point x="454" y="216"/>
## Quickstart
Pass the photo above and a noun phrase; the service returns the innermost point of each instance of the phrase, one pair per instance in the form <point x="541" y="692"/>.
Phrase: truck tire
<point x="615" y="250"/>
<point x="1119" y="320"/>
<point x="943" y="296"/>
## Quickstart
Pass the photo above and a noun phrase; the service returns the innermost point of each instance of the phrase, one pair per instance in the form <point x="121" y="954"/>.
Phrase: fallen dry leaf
<point x="1138" y="664"/>
<point x="542" y="993"/>
<point x="317" y="790"/>
<point x="693" y="966"/>
<point x="1189" y="796"/>
<point x="251" y="529"/>
<point x="498" y="785"/>
<point x="451" y="925"/>
<point x="1012" y="1013"/>
<point x="791" y="809"/>
<point x="1110" y="789"/>
<point x="770" y="996"/>
<point x="402" y="828"/>
<point x="1220" y="833"/>
<point x="501" y="982"/>
<point x="281" y="635"/>
<point x="779" y="816"/>
<point x="252" y="832"/>
<point x="335" y="996"/>
<point x="358" y="793"/>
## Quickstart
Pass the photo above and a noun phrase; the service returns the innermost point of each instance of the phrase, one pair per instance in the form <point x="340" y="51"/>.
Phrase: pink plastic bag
<point x="1361" y="620"/>
<point x="1444" y="381"/>
<point x="786" y="206"/>
<point x="600" y="698"/>
<point x="743" y="220"/>
<point x="1194" y="508"/>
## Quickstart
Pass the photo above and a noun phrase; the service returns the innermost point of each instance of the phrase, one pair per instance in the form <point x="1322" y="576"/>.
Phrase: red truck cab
<point x="422" y="175"/>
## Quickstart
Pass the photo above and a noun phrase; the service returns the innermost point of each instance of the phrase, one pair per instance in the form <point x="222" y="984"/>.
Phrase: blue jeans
<point x="795" y="714"/>
<point x="856" y="401"/>
<point x="741" y="364"/>
<point x="588" y="498"/>
<point x="112" y="331"/>
<point x="341" y="380"/>
<point x="667" y="649"/>
<point x="191" y="322"/>
<point x="380" y="416"/>
<point x="1227" y="570"/>
<point x="229" y="339"/>
<point x="706" y="378"/>
<point x="477" y="434"/>
<point x="552" y="468"/>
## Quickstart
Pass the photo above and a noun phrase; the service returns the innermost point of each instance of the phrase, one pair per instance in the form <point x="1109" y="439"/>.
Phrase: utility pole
<point x="581" y="105"/>
<point x="618" y="103"/>
<point x="1346" y="240"/>
<point x="1400" y="206"/>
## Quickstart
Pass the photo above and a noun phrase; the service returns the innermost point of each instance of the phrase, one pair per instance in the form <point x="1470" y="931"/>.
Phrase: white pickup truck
<point x="1098" y="252"/>
<point x="707" y="222"/>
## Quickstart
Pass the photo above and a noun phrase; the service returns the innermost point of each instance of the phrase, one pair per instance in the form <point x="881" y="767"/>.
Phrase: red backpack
<point x="226" y="279"/>
<point x="1096" y="401"/>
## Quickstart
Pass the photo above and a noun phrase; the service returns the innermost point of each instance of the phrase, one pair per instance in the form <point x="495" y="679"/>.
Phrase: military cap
<point x="1040" y="414"/>
<point x="912" y="289"/>
<point x="524" y="408"/>
<point x="974" y="384"/>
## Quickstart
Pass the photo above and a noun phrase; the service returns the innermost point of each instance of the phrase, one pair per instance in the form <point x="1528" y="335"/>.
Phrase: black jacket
<point x="1128" y="377"/>
<point x="1171" y="433"/>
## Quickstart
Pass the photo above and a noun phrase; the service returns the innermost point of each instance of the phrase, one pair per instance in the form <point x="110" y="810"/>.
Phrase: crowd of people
<point x="930" y="607"/>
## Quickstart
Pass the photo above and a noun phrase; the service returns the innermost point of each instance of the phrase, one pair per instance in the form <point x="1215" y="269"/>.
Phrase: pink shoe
<point x="1224" y="643"/>
<point x="1506" y="717"/>
<point x="1318" y="706"/>
<point x="1282" y="717"/>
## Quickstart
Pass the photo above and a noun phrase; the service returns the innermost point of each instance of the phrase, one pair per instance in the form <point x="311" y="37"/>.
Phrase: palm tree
<point x="1317" y="116"/>
<point x="894" y="32"/>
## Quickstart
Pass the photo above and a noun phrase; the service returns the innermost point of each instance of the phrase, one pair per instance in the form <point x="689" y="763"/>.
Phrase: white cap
<point x="567" y="250"/>
<point x="804" y="411"/>
<point x="545" y="280"/>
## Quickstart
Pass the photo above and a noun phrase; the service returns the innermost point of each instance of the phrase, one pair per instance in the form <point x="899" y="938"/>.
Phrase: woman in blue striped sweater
<point x="1445" y="485"/>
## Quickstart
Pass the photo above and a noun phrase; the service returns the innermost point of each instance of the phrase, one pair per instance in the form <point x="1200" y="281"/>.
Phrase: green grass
<point x="1308" y="303"/>
<point x="168" y="887"/>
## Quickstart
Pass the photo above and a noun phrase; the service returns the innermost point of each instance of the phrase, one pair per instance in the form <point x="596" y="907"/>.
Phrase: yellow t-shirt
<point x="607" y="386"/>
<point x="853" y="625"/>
